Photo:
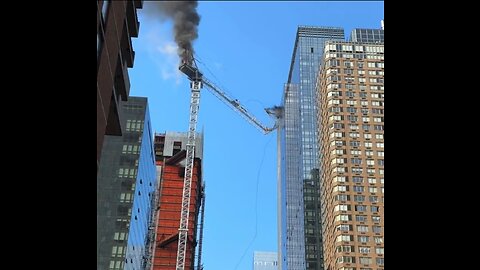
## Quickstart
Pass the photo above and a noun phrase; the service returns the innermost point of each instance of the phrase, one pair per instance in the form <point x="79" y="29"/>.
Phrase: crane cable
<point x="198" y="59"/>
<point x="256" y="204"/>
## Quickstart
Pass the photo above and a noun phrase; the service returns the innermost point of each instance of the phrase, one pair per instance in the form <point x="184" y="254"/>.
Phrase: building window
<point x="358" y="188"/>
<point x="378" y="119"/>
<point x="365" y="260"/>
<point x="378" y="240"/>
<point x="352" y="118"/>
<point x="361" y="218"/>
<point x="354" y="143"/>
<point x="351" y="110"/>
<point x="119" y="236"/>
<point x="359" y="198"/>
<point x="363" y="238"/>
<point x="360" y="208"/>
<point x="338" y="117"/>
<point x="338" y="125"/>
<point x="379" y="261"/>
<point x="356" y="161"/>
<point x="357" y="170"/>
<point x="362" y="228"/>
<point x="343" y="218"/>
<point x="355" y="152"/>
<point x="342" y="197"/>
<point x="376" y="229"/>
<point x="357" y="179"/>
<point x="351" y="102"/>
<point x="354" y="135"/>
<point x="118" y="251"/>
<point x="126" y="197"/>
<point x="344" y="227"/>
<point x="345" y="249"/>
<point x="345" y="238"/>
<point x="346" y="259"/>
<point x="377" y="111"/>
<point x="364" y="249"/>
<point x="342" y="207"/>
<point x="340" y="188"/>
<point x="339" y="143"/>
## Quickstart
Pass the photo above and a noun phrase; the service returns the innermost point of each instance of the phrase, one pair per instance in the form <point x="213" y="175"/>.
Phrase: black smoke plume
<point x="185" y="23"/>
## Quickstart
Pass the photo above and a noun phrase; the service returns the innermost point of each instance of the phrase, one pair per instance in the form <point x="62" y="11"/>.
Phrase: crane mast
<point x="197" y="80"/>
<point x="195" y="85"/>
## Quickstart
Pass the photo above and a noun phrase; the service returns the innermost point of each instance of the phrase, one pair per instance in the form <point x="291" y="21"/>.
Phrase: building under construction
<point x="170" y="152"/>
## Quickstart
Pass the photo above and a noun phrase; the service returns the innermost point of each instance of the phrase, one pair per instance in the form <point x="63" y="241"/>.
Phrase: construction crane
<point x="197" y="80"/>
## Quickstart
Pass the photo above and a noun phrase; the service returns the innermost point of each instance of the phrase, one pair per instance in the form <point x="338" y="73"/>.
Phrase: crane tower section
<point x="195" y="86"/>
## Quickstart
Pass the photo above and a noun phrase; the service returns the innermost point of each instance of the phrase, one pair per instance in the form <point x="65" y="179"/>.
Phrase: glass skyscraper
<point x="126" y="182"/>
<point x="367" y="35"/>
<point x="300" y="243"/>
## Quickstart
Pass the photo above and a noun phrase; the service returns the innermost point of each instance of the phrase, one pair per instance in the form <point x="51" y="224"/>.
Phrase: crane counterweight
<point x="192" y="72"/>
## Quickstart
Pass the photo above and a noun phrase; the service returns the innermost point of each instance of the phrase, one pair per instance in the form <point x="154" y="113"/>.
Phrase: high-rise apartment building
<point x="351" y="122"/>
<point x="126" y="183"/>
<point x="116" y="23"/>
<point x="300" y="243"/>
<point x="170" y="151"/>
<point x="263" y="260"/>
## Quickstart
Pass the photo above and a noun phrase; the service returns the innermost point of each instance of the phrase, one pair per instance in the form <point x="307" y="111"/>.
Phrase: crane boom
<point x="236" y="106"/>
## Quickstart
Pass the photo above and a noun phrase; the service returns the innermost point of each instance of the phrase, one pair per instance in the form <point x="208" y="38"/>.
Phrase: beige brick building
<point x="351" y="127"/>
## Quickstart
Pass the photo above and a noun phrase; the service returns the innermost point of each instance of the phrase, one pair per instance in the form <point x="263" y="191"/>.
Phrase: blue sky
<point x="246" y="49"/>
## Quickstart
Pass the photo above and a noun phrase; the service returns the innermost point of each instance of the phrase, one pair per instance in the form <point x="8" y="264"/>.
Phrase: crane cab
<point x="192" y="73"/>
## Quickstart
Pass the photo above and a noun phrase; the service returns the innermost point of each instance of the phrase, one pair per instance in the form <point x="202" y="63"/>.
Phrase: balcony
<point x="132" y="20"/>
<point x="126" y="46"/>
<point x="122" y="81"/>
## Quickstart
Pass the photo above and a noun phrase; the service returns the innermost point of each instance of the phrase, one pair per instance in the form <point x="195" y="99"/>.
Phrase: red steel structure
<point x="170" y="155"/>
